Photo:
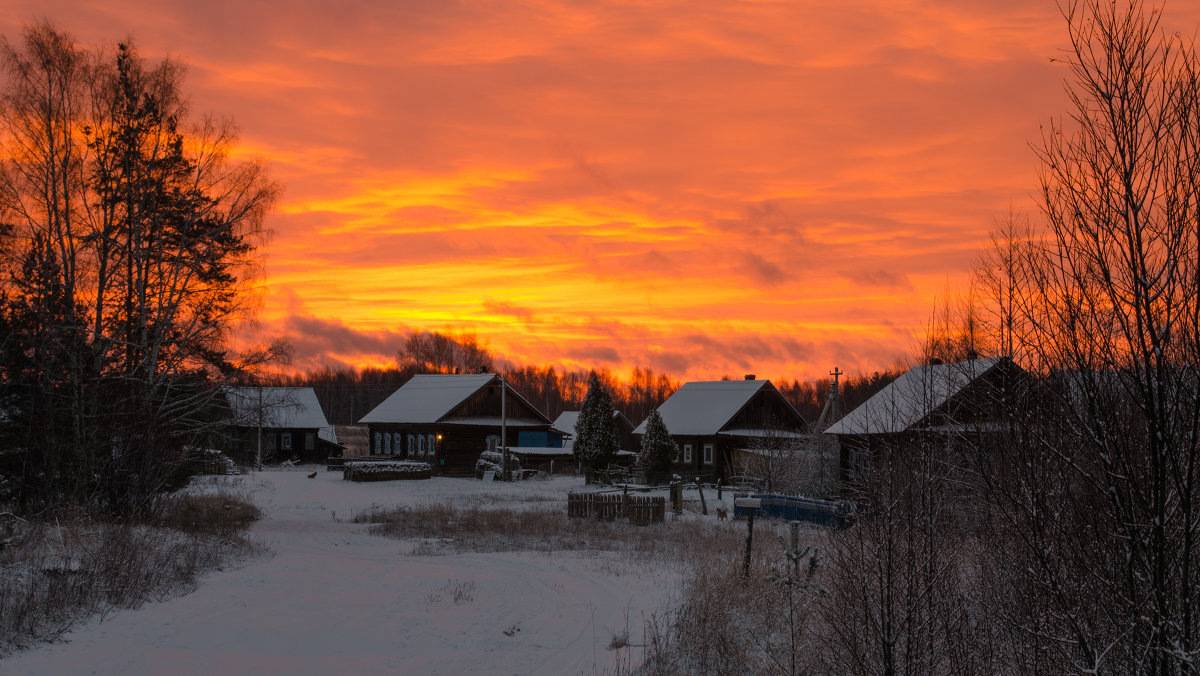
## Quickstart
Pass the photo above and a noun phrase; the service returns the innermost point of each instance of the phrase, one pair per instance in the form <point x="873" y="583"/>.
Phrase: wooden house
<point x="934" y="403"/>
<point x="448" y="420"/>
<point x="711" y="420"/>
<point x="289" y="422"/>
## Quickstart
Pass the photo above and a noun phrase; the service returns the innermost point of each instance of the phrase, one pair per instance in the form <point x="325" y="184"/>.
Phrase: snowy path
<point x="335" y="600"/>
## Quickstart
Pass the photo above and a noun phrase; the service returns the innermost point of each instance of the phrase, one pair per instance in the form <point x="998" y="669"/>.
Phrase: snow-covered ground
<point x="332" y="599"/>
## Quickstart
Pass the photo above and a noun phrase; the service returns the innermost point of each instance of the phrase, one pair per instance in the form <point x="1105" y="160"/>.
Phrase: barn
<point x="448" y="420"/>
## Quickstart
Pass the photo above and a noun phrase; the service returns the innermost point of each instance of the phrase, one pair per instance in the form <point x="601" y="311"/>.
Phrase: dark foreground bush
<point x="223" y="515"/>
<point x="54" y="574"/>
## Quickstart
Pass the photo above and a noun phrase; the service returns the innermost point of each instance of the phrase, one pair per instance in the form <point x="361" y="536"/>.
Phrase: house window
<point x="420" y="445"/>
<point x="310" y="441"/>
<point x="493" y="442"/>
<point x="412" y="444"/>
<point x="687" y="453"/>
<point x="285" y="441"/>
<point x="708" y="454"/>
<point x="387" y="444"/>
<point x="378" y="443"/>
<point x="431" y="445"/>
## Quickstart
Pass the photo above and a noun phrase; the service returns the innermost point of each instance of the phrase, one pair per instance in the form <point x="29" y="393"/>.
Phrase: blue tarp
<point x="821" y="512"/>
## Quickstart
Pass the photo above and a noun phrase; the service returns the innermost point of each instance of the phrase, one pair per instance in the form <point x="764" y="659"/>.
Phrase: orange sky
<point x="705" y="188"/>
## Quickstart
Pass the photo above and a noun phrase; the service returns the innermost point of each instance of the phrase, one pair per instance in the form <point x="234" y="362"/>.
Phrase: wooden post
<point x="676" y="497"/>
<point x="751" y="505"/>
<point x="703" y="504"/>
<point x="794" y="554"/>
<point x="719" y="498"/>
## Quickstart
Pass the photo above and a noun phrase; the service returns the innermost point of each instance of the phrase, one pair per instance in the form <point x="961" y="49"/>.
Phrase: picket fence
<point x="640" y="510"/>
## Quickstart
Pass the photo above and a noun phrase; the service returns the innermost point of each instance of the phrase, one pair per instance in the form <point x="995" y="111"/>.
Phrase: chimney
<point x="749" y="376"/>
<point x="483" y="369"/>
<point x="935" y="361"/>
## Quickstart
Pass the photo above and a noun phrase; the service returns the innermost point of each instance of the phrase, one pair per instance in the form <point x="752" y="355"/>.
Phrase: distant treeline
<point x="349" y="394"/>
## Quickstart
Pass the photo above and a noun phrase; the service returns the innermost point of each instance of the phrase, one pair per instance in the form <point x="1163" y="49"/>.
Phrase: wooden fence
<point x="640" y="510"/>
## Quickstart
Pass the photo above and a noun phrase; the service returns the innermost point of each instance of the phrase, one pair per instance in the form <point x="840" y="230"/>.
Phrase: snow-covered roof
<point x="565" y="422"/>
<point x="702" y="408"/>
<point x="907" y="400"/>
<point x="538" y="450"/>
<point x="495" y="420"/>
<point x="765" y="433"/>
<point x="277" y="407"/>
<point x="427" y="398"/>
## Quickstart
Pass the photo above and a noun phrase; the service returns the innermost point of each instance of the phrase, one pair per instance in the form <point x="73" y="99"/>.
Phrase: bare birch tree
<point x="1097" y="500"/>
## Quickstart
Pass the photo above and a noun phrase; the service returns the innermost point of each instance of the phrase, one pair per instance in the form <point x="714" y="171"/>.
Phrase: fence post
<point x="703" y="504"/>
<point x="676" y="497"/>
<point x="751" y="505"/>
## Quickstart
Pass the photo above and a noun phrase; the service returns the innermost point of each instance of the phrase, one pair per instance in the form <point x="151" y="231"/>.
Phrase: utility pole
<point x="258" y="455"/>
<point x="504" y="430"/>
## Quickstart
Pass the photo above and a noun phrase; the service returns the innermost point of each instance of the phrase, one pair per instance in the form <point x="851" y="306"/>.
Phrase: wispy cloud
<point x="703" y="187"/>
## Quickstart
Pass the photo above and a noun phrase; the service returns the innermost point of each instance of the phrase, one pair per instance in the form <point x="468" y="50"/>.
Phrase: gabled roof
<point x="565" y="422"/>
<point x="276" y="408"/>
<point x="909" y="399"/>
<point x="702" y="408"/>
<point x="428" y="398"/>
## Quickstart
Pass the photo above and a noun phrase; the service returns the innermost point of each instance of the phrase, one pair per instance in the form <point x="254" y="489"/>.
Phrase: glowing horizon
<point x="706" y="189"/>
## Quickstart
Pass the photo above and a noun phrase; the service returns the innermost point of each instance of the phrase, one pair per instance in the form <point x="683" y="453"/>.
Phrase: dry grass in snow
<point x="56" y="573"/>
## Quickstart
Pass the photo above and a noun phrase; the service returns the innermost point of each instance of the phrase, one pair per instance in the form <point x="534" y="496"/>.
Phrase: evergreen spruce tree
<point x="595" y="430"/>
<point x="658" y="449"/>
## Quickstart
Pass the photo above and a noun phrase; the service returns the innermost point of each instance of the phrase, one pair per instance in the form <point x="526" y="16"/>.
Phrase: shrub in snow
<point x="493" y="461"/>
<point x="387" y="471"/>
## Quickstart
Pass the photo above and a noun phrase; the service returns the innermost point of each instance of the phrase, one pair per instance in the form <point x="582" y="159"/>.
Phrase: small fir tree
<point x="658" y="449"/>
<point x="595" y="430"/>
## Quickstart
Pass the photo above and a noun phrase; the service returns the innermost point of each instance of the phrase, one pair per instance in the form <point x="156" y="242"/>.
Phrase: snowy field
<point x="330" y="598"/>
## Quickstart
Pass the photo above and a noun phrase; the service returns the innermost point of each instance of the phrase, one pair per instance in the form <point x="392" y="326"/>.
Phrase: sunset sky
<point x="705" y="188"/>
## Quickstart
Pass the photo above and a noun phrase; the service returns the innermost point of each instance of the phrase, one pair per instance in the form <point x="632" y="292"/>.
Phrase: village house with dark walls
<point x="448" y="420"/>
